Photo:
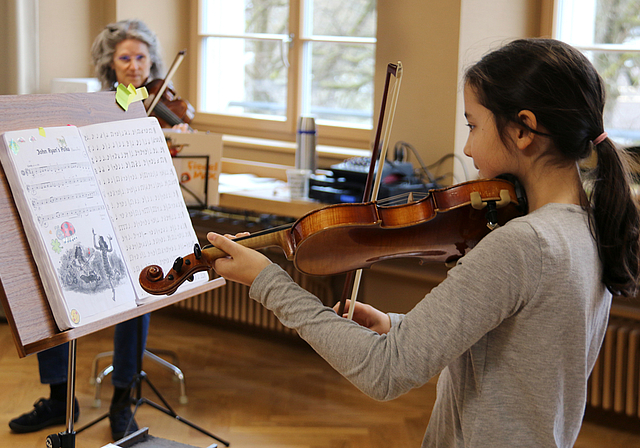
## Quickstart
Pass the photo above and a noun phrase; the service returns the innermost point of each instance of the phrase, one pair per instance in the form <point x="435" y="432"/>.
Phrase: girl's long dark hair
<point x="562" y="88"/>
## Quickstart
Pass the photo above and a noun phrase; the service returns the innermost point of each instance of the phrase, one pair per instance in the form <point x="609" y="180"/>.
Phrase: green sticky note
<point x="128" y="95"/>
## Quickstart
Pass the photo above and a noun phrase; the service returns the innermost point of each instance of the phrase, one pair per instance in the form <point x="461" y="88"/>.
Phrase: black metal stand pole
<point x="67" y="439"/>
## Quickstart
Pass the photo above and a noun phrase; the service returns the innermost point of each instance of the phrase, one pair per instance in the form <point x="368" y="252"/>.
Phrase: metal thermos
<point x="306" y="158"/>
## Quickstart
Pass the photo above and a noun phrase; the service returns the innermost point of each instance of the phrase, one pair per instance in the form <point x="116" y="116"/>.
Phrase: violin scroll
<point x="153" y="281"/>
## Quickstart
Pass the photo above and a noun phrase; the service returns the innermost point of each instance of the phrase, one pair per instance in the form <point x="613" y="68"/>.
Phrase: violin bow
<point x="172" y="70"/>
<point x="372" y="186"/>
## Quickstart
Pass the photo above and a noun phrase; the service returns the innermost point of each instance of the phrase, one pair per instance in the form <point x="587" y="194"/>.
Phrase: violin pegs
<point x="177" y="265"/>
<point x="197" y="251"/>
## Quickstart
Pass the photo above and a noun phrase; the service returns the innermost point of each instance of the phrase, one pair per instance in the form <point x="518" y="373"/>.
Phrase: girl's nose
<point x="466" y="150"/>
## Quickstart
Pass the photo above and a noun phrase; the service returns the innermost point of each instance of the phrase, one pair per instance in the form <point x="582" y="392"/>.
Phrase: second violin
<point x="171" y="109"/>
<point x="441" y="227"/>
<point x="163" y="102"/>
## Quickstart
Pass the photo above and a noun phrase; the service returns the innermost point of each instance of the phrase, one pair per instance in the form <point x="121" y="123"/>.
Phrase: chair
<point x="97" y="378"/>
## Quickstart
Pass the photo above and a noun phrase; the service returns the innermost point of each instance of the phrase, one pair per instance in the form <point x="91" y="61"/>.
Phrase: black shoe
<point x="46" y="413"/>
<point x="120" y="417"/>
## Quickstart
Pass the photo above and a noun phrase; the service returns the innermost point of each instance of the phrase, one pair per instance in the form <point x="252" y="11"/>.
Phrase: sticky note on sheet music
<point x="128" y="95"/>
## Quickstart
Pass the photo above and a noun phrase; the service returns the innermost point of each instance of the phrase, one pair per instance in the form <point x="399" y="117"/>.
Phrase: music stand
<point x="136" y="384"/>
<point x="21" y="292"/>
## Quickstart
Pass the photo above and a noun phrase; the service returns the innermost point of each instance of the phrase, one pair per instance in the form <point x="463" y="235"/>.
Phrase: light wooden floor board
<point x="252" y="390"/>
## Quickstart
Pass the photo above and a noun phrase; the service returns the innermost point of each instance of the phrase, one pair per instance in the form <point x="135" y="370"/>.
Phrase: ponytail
<point x="615" y="220"/>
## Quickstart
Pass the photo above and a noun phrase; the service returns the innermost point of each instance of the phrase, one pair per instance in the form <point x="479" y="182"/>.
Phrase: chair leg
<point x="98" y="378"/>
<point x="176" y="371"/>
<point x="98" y="381"/>
<point x="94" y="367"/>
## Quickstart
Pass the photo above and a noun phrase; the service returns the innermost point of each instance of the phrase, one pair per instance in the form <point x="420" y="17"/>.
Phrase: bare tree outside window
<point x="608" y="32"/>
<point x="247" y="47"/>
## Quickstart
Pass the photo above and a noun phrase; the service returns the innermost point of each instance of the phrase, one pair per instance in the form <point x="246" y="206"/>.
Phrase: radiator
<point x="614" y="384"/>
<point x="232" y="303"/>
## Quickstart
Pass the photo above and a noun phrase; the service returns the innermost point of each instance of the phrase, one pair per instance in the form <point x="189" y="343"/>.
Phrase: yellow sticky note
<point x="128" y="95"/>
<point x="41" y="132"/>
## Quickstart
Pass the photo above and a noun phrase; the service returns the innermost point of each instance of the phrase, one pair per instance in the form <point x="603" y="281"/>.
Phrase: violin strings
<point x="403" y="198"/>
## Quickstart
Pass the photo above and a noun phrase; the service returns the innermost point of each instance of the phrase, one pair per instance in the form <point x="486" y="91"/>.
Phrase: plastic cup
<point x="298" y="181"/>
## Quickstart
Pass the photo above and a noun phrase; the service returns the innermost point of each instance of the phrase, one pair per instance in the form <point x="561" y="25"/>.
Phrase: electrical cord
<point x="400" y="153"/>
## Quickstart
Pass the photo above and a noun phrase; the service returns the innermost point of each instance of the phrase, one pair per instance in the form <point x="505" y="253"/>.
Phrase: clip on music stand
<point x="21" y="291"/>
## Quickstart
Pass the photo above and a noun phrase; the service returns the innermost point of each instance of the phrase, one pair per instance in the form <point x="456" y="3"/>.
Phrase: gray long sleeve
<point x="513" y="330"/>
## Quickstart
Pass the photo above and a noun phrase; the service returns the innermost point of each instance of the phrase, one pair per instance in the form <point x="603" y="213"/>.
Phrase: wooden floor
<point x="252" y="390"/>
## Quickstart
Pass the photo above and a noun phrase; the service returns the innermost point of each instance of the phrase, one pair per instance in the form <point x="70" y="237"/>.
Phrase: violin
<point x="171" y="109"/>
<point x="163" y="102"/>
<point x="441" y="227"/>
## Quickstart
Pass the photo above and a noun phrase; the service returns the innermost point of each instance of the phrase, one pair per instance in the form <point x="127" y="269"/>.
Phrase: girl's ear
<point x="524" y="135"/>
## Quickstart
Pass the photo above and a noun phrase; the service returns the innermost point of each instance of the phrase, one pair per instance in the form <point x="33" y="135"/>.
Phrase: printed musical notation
<point x="37" y="171"/>
<point x="63" y="198"/>
<point x="137" y="178"/>
<point x="44" y="220"/>
<point x="56" y="184"/>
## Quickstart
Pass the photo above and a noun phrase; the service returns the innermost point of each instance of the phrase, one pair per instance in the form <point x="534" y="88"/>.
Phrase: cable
<point x="401" y="147"/>
<point x="400" y="150"/>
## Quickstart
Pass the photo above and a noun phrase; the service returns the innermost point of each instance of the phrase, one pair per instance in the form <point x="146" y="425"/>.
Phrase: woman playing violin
<point x="128" y="52"/>
<point x="514" y="330"/>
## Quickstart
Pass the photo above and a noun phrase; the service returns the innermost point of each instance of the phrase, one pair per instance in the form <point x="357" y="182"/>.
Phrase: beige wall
<point x="483" y="28"/>
<point x="423" y="35"/>
<point x="68" y="28"/>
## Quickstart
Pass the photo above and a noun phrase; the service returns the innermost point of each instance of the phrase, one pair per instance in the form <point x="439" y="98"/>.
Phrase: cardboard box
<point x="192" y="153"/>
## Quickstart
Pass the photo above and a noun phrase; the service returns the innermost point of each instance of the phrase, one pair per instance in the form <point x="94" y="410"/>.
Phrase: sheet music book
<point x="98" y="204"/>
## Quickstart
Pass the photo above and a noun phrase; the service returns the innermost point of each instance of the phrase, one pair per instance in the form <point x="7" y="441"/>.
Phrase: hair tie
<point x="600" y="138"/>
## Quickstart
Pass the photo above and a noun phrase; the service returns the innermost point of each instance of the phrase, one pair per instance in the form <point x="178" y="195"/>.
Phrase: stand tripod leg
<point x="67" y="439"/>
<point x="136" y="384"/>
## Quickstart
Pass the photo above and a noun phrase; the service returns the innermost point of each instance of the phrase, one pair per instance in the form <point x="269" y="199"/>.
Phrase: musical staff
<point x="54" y="169"/>
<point x="43" y="186"/>
<point x="44" y="220"/>
<point x="63" y="198"/>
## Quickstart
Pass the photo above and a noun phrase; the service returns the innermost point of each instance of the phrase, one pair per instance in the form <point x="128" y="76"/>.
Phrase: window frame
<point x="265" y="128"/>
<point x="552" y="14"/>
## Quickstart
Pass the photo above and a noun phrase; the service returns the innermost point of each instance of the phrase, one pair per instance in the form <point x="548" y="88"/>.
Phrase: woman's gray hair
<point x="104" y="46"/>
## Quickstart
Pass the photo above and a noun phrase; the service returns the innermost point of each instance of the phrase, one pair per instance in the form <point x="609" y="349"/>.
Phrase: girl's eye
<point x="470" y="126"/>
<point x="124" y="59"/>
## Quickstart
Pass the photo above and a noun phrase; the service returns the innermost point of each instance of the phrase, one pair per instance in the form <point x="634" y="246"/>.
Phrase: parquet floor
<point x="252" y="390"/>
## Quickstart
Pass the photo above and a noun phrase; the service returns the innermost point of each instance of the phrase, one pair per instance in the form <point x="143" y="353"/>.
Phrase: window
<point x="608" y="32"/>
<point x="276" y="60"/>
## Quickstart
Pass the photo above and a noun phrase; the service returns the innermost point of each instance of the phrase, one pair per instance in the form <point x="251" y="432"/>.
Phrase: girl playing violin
<point x="515" y="328"/>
